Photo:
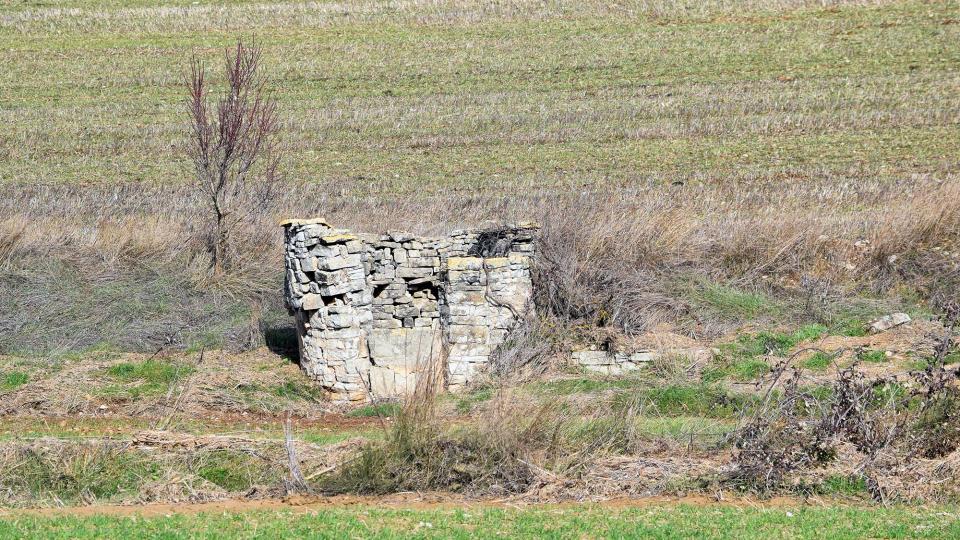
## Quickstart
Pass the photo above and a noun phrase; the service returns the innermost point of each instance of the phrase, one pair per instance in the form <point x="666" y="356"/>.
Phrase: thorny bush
<point x="798" y="428"/>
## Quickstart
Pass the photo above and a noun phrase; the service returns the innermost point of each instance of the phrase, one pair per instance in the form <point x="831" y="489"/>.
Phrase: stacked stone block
<point x="622" y="362"/>
<point x="376" y="313"/>
<point x="328" y="293"/>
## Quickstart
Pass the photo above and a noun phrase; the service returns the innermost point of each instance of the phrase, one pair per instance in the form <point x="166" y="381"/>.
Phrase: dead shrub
<point x="234" y="150"/>
<point x="936" y="431"/>
<point x="419" y="453"/>
<point x="780" y="437"/>
<point x="612" y="272"/>
<point x="885" y="420"/>
<point x="526" y="352"/>
<point x="674" y="367"/>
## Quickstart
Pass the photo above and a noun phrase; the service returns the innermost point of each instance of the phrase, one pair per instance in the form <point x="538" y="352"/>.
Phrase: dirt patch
<point x="911" y="338"/>
<point x="661" y="338"/>
<point x="406" y="501"/>
<point x="646" y="476"/>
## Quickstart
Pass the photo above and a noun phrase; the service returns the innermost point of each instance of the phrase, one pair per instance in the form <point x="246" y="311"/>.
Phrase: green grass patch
<point x="466" y="402"/>
<point x="616" y="433"/>
<point x="149" y="371"/>
<point x="385" y="409"/>
<point x="585" y="385"/>
<point x="299" y="390"/>
<point x="706" y="521"/>
<point x="13" y="380"/>
<point x="769" y="343"/>
<point x="805" y="333"/>
<point x="703" y="400"/>
<point x="851" y="327"/>
<point x="819" y="361"/>
<point x="714" y="373"/>
<point x="741" y="358"/>
<point x="145" y="378"/>
<point x="874" y="357"/>
<point x="843" y="485"/>
<point x="730" y="303"/>
<point x="332" y="437"/>
<point x="233" y="470"/>
<point x="919" y="364"/>
<point x="749" y="369"/>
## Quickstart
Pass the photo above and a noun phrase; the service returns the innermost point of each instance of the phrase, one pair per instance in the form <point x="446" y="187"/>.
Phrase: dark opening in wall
<point x="493" y="243"/>
<point x="378" y="289"/>
<point x="423" y="284"/>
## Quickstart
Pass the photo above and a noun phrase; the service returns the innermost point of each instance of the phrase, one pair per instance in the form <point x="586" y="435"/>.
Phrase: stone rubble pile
<point x="609" y="363"/>
<point x="375" y="312"/>
<point x="619" y="363"/>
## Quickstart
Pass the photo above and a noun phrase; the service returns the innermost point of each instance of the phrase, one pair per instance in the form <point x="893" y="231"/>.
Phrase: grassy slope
<point x="680" y="521"/>
<point x="423" y="98"/>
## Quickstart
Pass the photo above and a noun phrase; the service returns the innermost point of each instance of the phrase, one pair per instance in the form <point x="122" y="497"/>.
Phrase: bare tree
<point x="235" y="148"/>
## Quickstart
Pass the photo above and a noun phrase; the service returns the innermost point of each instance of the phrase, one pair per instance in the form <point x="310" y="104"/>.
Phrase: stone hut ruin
<point x="376" y="312"/>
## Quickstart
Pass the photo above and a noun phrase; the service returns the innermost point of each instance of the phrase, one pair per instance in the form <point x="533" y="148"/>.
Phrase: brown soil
<point x="412" y="501"/>
<point x="910" y="338"/>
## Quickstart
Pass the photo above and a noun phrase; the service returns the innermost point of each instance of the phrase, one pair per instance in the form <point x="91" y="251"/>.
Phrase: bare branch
<point x="235" y="150"/>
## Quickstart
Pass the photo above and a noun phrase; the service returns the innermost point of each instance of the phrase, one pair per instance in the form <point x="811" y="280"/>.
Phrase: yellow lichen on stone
<point x="337" y="238"/>
<point x="496" y="262"/>
<point x="464" y="263"/>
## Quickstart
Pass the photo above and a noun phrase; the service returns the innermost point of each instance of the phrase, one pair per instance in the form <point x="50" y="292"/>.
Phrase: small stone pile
<point x="621" y="362"/>
<point x="610" y="363"/>
<point x="375" y="312"/>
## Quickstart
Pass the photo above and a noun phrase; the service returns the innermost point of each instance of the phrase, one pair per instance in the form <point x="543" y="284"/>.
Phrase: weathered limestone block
<point x="404" y="349"/>
<point x="385" y="382"/>
<point x="468" y="333"/>
<point x="387" y="323"/>
<point x="341" y="261"/>
<point x="311" y="302"/>
<point x="619" y="363"/>
<point x="593" y="358"/>
<point x="414" y="272"/>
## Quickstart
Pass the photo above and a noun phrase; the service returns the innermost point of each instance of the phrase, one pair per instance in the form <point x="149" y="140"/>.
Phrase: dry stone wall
<point x="376" y="312"/>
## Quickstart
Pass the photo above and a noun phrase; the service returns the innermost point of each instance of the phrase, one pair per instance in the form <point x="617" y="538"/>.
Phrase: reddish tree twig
<point x="235" y="149"/>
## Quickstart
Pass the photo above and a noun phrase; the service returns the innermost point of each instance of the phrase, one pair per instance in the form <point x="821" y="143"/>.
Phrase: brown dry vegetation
<point x="629" y="258"/>
<point x="761" y="178"/>
<point x="133" y="428"/>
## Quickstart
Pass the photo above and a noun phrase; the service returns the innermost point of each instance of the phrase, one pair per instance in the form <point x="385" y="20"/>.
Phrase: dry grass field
<point x="754" y="177"/>
<point x="760" y="142"/>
